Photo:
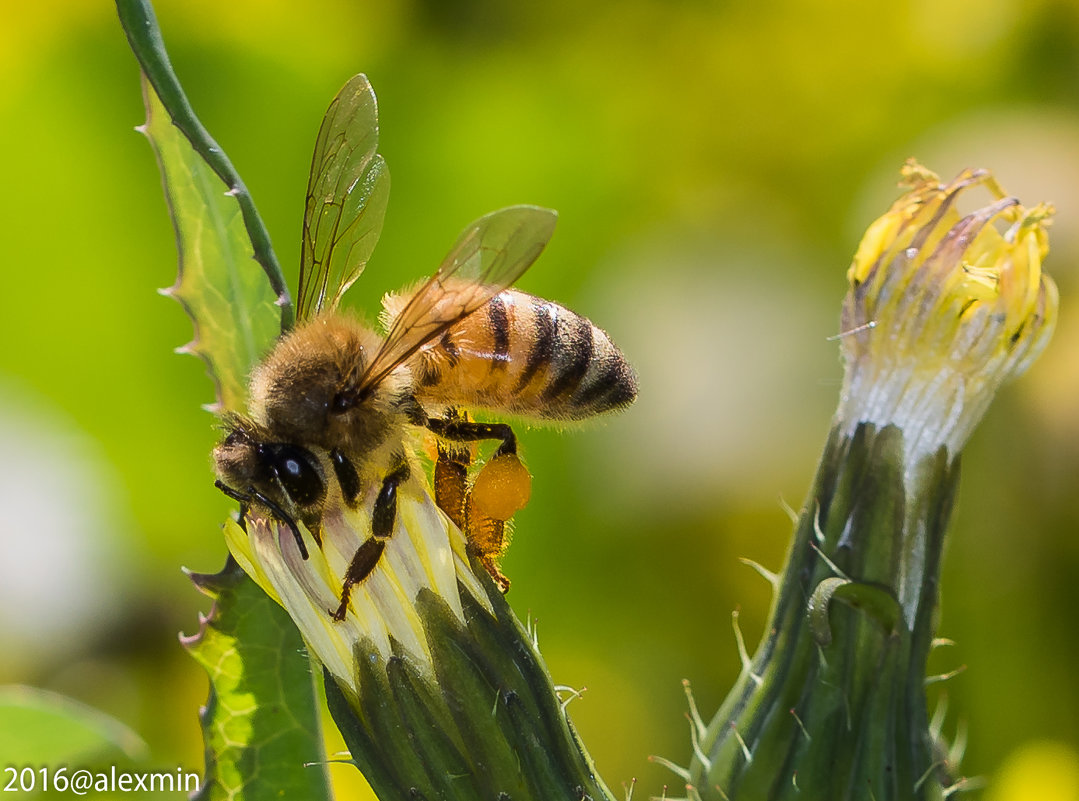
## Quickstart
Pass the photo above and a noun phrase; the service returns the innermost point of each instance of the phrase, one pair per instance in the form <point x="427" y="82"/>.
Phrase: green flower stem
<point x="942" y="310"/>
<point x="488" y="725"/>
<point x="833" y="706"/>
<point x="140" y="25"/>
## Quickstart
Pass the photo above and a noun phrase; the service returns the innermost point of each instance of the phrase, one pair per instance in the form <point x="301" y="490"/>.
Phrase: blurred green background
<point x="714" y="165"/>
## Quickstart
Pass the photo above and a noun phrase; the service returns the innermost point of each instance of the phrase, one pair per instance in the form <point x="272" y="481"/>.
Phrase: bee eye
<point x="295" y="469"/>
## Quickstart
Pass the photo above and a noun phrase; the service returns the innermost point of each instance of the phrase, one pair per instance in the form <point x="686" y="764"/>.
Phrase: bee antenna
<point x="283" y="516"/>
<point x="236" y="495"/>
<point x="253" y="494"/>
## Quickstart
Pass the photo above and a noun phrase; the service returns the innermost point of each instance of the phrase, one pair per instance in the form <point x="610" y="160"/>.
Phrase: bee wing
<point x="346" y="199"/>
<point x="490" y="255"/>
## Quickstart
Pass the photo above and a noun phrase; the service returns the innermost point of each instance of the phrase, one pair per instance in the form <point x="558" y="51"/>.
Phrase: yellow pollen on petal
<point x="944" y="307"/>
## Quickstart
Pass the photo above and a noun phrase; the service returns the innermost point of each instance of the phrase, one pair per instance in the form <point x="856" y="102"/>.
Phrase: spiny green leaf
<point x="260" y="724"/>
<point x="140" y="25"/>
<point x="231" y="303"/>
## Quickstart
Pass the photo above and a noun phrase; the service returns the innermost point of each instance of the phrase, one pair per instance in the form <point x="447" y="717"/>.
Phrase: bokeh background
<point x="714" y="164"/>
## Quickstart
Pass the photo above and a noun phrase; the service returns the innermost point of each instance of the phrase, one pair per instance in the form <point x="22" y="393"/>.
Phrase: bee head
<point x="288" y="474"/>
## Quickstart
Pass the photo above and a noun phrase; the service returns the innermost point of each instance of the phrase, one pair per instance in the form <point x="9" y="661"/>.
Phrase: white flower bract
<point x="425" y="551"/>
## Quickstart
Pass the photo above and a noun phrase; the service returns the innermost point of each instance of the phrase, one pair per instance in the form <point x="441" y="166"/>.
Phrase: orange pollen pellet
<point x="503" y="487"/>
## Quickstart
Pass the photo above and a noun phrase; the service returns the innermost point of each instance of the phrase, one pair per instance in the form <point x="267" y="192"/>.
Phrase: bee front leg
<point x="383" y="522"/>
<point x="367" y="556"/>
<point x="384" y="515"/>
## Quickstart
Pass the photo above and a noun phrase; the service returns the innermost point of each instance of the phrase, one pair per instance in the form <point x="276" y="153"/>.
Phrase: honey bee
<point x="332" y="405"/>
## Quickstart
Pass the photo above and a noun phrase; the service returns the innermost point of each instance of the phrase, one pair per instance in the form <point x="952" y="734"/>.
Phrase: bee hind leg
<point x="451" y="481"/>
<point x="383" y="522"/>
<point x="487" y="542"/>
<point x="485" y="534"/>
<point x="458" y="430"/>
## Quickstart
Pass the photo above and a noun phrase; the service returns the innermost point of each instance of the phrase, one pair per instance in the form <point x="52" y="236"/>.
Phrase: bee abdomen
<point x="529" y="356"/>
<point x="586" y="374"/>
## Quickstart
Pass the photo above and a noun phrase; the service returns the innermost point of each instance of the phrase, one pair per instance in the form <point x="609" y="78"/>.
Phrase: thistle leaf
<point x="139" y="22"/>
<point x="232" y="305"/>
<point x="260" y="724"/>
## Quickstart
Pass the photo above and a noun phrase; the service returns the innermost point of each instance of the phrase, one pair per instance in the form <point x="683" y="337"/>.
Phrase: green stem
<point x="140" y="26"/>
<point x="840" y="712"/>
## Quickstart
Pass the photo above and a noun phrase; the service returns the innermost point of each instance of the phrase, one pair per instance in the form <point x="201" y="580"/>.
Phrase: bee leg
<point x="487" y="542"/>
<point x="367" y="556"/>
<point x="451" y="481"/>
<point x="454" y="497"/>
<point x="252" y="494"/>
<point x="485" y="534"/>
<point x="347" y="477"/>
<point x="383" y="522"/>
<point x="467" y="431"/>
<point x="384" y="515"/>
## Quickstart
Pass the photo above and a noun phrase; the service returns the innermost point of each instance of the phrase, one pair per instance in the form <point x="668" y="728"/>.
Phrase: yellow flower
<point x="943" y="308"/>
<point x="437" y="689"/>
<point x="425" y="552"/>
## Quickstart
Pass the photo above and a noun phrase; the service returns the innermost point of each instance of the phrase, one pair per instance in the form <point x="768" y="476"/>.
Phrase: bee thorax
<point x="307" y="388"/>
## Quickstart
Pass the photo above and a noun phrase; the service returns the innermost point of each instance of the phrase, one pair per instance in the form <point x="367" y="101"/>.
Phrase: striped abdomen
<point x="528" y="356"/>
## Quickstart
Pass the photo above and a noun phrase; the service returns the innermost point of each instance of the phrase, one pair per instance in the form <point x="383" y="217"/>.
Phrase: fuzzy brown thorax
<point x="306" y="389"/>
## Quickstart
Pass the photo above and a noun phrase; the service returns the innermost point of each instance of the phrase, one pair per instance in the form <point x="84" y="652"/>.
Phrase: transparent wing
<point x="490" y="255"/>
<point x="346" y="199"/>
